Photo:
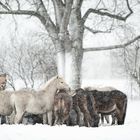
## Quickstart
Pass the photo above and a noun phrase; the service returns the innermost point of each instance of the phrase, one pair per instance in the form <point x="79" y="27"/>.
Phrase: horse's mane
<point x="48" y="83"/>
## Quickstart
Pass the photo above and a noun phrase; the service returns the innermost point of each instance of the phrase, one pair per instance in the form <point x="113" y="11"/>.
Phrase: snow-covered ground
<point x="129" y="131"/>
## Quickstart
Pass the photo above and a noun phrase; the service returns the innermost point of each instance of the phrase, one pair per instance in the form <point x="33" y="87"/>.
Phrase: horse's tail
<point x="124" y="109"/>
<point x="90" y="104"/>
<point x="91" y="107"/>
<point x="61" y="109"/>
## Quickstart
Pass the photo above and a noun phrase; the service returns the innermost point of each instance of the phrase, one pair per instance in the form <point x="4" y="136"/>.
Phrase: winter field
<point x="129" y="131"/>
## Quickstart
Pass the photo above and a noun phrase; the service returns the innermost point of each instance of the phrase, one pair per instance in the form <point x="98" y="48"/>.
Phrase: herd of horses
<point x="56" y="104"/>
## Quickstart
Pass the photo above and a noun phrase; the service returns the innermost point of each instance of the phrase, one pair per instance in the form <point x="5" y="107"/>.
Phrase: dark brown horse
<point x="110" y="102"/>
<point x="62" y="106"/>
<point x="81" y="105"/>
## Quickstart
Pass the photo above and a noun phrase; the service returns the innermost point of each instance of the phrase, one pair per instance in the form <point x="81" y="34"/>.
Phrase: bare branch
<point x="112" y="47"/>
<point x="21" y="12"/>
<point x="4" y="6"/>
<point x="66" y="16"/>
<point x="114" y="16"/>
<point x="40" y="13"/>
<point x="129" y="8"/>
<point x="96" y="31"/>
<point x="98" y="4"/>
<point x="18" y="4"/>
<point x="59" y="11"/>
<point x="47" y="21"/>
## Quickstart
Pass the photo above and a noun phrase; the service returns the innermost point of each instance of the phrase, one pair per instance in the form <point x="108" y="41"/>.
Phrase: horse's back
<point x="108" y="88"/>
<point x="20" y="99"/>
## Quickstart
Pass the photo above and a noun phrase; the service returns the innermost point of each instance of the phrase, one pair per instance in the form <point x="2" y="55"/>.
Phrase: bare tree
<point x="28" y="62"/>
<point x="127" y="60"/>
<point x="66" y="26"/>
<point x="4" y="69"/>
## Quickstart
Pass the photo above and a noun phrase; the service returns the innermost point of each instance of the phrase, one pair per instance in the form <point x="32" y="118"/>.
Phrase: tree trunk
<point x="73" y="61"/>
<point x="61" y="63"/>
<point x="69" y="61"/>
<point x="77" y="56"/>
<point x="68" y="64"/>
<point x="76" y="30"/>
<point x="60" y="58"/>
<point x="69" y="43"/>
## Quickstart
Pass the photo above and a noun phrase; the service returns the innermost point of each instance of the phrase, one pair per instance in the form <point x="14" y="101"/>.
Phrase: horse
<point x="37" y="102"/>
<point x="110" y="102"/>
<point x="80" y="104"/>
<point x="62" y="107"/>
<point x="103" y="116"/>
<point x="3" y="81"/>
<point x="6" y="108"/>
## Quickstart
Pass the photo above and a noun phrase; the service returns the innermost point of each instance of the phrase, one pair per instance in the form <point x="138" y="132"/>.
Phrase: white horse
<point x="37" y="102"/>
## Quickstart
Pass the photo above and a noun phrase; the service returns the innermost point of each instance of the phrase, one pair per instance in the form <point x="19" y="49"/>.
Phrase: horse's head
<point x="3" y="80"/>
<point x="61" y="84"/>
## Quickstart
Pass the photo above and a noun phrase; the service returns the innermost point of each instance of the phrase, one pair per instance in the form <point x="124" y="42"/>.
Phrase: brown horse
<point x="109" y="102"/>
<point x="80" y="105"/>
<point x="104" y="116"/>
<point x="62" y="107"/>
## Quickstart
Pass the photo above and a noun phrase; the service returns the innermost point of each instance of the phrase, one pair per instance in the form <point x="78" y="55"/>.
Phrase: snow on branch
<point x="112" y="46"/>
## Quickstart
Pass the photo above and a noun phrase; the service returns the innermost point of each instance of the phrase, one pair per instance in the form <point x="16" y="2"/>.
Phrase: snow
<point x="130" y="130"/>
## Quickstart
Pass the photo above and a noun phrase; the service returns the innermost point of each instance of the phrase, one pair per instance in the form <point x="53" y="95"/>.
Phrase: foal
<point x="37" y="102"/>
<point x="62" y="107"/>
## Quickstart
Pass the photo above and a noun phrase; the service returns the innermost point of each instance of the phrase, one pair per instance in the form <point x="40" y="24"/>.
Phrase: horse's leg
<point x="49" y="117"/>
<point x="68" y="121"/>
<point x="45" y="118"/>
<point x="11" y="118"/>
<point x="78" y="112"/>
<point x="3" y="119"/>
<point x="102" y="118"/>
<point x="55" y="117"/>
<point x="7" y="118"/>
<point x="87" y="117"/>
<point x="56" y="120"/>
<point x="0" y="119"/>
<point x="18" y="117"/>
<point x="113" y="118"/>
<point x="122" y="111"/>
<point x="107" y="118"/>
<point x="118" y="116"/>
